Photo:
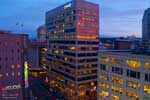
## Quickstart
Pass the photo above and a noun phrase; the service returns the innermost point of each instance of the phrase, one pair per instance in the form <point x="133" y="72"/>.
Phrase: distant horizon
<point x="120" y="18"/>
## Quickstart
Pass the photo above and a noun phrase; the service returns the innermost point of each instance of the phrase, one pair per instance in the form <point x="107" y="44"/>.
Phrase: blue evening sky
<point x="117" y="17"/>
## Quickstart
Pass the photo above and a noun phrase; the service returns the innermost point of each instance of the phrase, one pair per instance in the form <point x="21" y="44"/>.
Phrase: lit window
<point x="7" y="74"/>
<point x="104" y="59"/>
<point x="132" y="95"/>
<point x="103" y="77"/>
<point x="1" y="75"/>
<point x="82" y="93"/>
<point x="114" y="97"/>
<point x="72" y="48"/>
<point x="133" y="85"/>
<point x="18" y="65"/>
<point x="147" y="66"/>
<point x="56" y="51"/>
<point x="104" y="85"/>
<point x="116" y="89"/>
<point x="133" y="64"/>
<point x="117" y="80"/>
<point x="92" y="83"/>
<point x="104" y="94"/>
<point x="147" y="89"/>
<point x="19" y="74"/>
<point x="66" y="58"/>
<point x="12" y="66"/>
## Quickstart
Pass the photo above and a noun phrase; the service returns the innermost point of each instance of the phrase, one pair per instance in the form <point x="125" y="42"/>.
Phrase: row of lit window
<point x="133" y="85"/>
<point x="113" y="88"/>
<point x="130" y="63"/>
<point x="12" y="66"/>
<point x="60" y="26"/>
<point x="58" y="31"/>
<point x="68" y="36"/>
<point x="116" y="80"/>
<point x="87" y="66"/>
<point x="59" y="21"/>
<point x="72" y="48"/>
<point x="87" y="72"/>
<point x="129" y="94"/>
<point x="106" y="94"/>
<point x="61" y="31"/>
<point x="12" y="74"/>
<point x="84" y="24"/>
<point x="61" y="15"/>
<point x="129" y="84"/>
<point x="87" y="31"/>
<point x="87" y="19"/>
<point x="87" y="12"/>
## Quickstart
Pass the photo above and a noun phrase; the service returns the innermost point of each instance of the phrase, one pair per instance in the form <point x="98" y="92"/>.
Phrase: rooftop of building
<point x="136" y="52"/>
<point x="11" y="33"/>
<point x="71" y="1"/>
<point x="37" y="43"/>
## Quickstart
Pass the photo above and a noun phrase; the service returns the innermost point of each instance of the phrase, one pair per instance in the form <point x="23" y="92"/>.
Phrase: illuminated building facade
<point x="123" y="76"/>
<point x="146" y="28"/>
<point x="73" y="40"/>
<point x="12" y="58"/>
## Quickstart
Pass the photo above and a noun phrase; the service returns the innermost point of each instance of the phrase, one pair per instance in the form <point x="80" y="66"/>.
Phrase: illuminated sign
<point x="13" y="87"/>
<point x="67" y="6"/>
<point x="26" y="75"/>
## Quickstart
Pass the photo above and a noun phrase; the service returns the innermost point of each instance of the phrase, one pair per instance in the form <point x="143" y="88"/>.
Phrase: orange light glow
<point x="87" y="31"/>
<point x="86" y="37"/>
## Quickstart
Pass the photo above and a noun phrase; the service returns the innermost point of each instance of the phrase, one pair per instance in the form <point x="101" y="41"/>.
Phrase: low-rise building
<point x="123" y="76"/>
<point x="13" y="49"/>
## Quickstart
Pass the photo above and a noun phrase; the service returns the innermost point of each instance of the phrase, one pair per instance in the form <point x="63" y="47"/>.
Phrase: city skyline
<point x="75" y="50"/>
<point x="26" y="17"/>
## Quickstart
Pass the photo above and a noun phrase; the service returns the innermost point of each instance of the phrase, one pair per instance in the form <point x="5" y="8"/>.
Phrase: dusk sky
<point x="117" y="17"/>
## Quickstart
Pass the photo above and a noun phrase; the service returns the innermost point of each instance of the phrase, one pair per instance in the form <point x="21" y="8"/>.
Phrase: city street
<point x="39" y="91"/>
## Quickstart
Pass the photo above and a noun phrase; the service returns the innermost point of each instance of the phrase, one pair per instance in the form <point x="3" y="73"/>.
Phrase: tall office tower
<point x="146" y="28"/>
<point x="73" y="40"/>
<point x="123" y="76"/>
<point x="13" y="49"/>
